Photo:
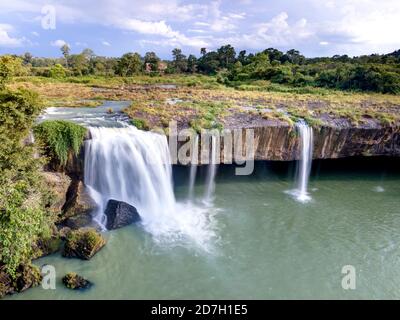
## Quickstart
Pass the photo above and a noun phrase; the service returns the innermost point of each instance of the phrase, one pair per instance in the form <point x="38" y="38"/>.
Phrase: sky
<point x="114" y="27"/>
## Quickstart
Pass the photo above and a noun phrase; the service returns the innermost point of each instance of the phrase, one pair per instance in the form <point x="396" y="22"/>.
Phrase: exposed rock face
<point x="76" y="282"/>
<point x="59" y="184"/>
<point x="120" y="214"/>
<point x="281" y="142"/>
<point x="79" y="221"/>
<point x="83" y="243"/>
<point x="79" y="201"/>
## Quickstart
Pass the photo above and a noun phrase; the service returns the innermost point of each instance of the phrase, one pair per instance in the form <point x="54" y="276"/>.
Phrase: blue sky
<point x="114" y="27"/>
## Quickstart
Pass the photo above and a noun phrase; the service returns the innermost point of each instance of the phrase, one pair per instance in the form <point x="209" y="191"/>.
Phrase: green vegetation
<point x="83" y="243"/>
<point x="24" y="199"/>
<point x="374" y="73"/>
<point x="141" y="124"/>
<point x="60" y="138"/>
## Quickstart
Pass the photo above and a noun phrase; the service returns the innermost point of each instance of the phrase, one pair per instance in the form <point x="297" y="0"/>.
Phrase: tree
<point x="293" y="56"/>
<point x="209" y="63"/>
<point x="203" y="51"/>
<point x="9" y="66"/>
<point x="274" y="54"/>
<point x="65" y="49"/>
<point x="192" y="64"/>
<point x="57" y="71"/>
<point x="180" y="63"/>
<point x="129" y="64"/>
<point x="27" y="58"/>
<point x="226" y="56"/>
<point x="151" y="60"/>
<point x="78" y="64"/>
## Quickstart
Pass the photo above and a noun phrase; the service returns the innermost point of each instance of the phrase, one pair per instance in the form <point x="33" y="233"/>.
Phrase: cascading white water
<point x="134" y="166"/>
<point x="212" y="170"/>
<point x="193" y="166"/>
<point x="304" y="168"/>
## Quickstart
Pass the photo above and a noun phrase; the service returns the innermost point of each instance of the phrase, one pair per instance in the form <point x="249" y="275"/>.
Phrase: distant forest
<point x="376" y="73"/>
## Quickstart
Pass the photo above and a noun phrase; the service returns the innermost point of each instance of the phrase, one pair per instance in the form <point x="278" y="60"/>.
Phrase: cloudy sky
<point x="113" y="27"/>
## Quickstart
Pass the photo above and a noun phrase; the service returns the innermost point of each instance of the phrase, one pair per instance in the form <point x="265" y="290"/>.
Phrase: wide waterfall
<point x="134" y="166"/>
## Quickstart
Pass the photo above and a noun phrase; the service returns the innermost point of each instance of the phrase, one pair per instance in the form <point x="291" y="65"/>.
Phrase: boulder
<point x="59" y="184"/>
<point x="120" y="214"/>
<point x="83" y="243"/>
<point x="79" y="202"/>
<point x="46" y="246"/>
<point x="75" y="282"/>
<point x="79" y="221"/>
<point x="27" y="276"/>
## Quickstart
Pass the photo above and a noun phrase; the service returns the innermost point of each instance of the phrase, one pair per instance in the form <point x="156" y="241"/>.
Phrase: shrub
<point x="23" y="196"/>
<point x="141" y="124"/>
<point x="57" y="71"/>
<point x="59" y="138"/>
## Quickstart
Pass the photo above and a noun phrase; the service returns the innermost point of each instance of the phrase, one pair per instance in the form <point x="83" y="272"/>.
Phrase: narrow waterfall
<point x="193" y="167"/>
<point x="134" y="166"/>
<point x="212" y="170"/>
<point x="304" y="168"/>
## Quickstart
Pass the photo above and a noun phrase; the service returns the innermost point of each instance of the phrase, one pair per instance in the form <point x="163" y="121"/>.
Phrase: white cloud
<point x="59" y="43"/>
<point x="34" y="33"/>
<point x="106" y="43"/>
<point x="8" y="41"/>
<point x="160" y="28"/>
<point x="323" y="43"/>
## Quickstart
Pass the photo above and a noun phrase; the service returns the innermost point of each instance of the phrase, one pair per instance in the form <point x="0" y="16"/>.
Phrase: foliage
<point x="129" y="65"/>
<point x="60" y="138"/>
<point x="141" y="124"/>
<point x="57" y="71"/>
<point x="9" y="67"/>
<point x="23" y="197"/>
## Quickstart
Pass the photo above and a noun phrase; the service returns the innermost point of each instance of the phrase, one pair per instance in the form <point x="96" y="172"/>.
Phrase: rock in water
<point x="83" y="243"/>
<point x="75" y="282"/>
<point x="120" y="214"/>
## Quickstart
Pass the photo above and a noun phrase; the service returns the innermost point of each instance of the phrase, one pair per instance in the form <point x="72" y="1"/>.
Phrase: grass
<point x="202" y="102"/>
<point x="60" y="138"/>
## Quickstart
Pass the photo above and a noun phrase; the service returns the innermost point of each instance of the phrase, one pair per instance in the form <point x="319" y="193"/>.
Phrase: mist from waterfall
<point x="134" y="166"/>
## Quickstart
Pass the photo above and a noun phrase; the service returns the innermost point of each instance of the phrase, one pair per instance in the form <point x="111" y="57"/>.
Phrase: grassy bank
<point x="202" y="101"/>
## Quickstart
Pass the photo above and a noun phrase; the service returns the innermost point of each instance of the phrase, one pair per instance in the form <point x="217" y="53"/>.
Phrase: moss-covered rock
<point x="75" y="282"/>
<point x="83" y="243"/>
<point x="46" y="246"/>
<point x="27" y="276"/>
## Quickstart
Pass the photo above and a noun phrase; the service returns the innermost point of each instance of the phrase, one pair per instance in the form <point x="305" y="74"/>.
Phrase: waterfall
<point x="212" y="170"/>
<point x="134" y="166"/>
<point x="193" y="166"/>
<point x="304" y="168"/>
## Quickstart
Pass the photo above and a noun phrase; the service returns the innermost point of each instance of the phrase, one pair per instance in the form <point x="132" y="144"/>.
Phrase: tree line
<point x="378" y="73"/>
